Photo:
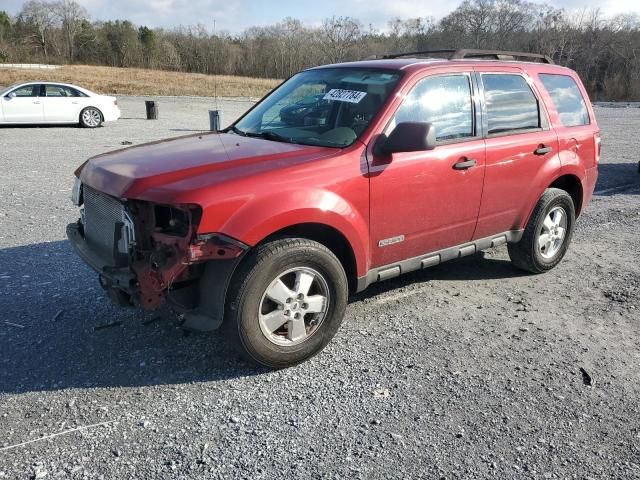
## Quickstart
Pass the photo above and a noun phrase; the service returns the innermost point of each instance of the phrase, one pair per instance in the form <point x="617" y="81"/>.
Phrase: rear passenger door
<point x="521" y="149"/>
<point x="61" y="104"/>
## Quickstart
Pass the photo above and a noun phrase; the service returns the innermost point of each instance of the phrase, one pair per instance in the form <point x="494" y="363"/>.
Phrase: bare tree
<point x="71" y="15"/>
<point x="339" y="36"/>
<point x="471" y="19"/>
<point x="39" y="18"/>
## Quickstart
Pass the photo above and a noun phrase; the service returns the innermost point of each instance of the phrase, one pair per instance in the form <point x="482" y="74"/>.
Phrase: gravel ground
<point x="467" y="370"/>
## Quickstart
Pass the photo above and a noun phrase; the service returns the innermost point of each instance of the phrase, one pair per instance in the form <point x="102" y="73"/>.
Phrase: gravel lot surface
<point x="467" y="370"/>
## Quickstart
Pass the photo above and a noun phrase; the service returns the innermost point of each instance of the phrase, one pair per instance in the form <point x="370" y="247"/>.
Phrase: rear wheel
<point x="286" y="302"/>
<point x="547" y="235"/>
<point x="90" y="117"/>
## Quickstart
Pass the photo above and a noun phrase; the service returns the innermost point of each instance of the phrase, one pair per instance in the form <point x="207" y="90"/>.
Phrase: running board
<point x="435" y="258"/>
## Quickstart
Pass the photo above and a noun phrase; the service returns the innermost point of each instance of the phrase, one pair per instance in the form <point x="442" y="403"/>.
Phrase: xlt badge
<point x="391" y="241"/>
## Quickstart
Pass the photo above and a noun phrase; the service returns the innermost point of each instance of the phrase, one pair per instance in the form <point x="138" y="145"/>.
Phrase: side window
<point x="60" y="91"/>
<point x="511" y="105"/>
<point x="445" y="102"/>
<point x="27" y="91"/>
<point x="567" y="99"/>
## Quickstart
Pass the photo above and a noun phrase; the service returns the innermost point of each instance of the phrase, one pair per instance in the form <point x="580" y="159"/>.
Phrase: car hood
<point x="137" y="172"/>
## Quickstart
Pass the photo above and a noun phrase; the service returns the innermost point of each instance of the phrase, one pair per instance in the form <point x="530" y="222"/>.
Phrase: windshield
<point x="329" y="107"/>
<point x="4" y="91"/>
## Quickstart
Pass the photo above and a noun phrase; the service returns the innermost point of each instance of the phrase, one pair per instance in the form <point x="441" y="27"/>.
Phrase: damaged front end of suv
<point x="149" y="254"/>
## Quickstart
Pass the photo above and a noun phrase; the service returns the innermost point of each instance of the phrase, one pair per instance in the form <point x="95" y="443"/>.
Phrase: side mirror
<point x="409" y="137"/>
<point x="11" y="95"/>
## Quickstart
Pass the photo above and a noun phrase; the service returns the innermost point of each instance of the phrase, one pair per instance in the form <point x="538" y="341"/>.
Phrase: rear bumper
<point x="111" y="114"/>
<point x="111" y="277"/>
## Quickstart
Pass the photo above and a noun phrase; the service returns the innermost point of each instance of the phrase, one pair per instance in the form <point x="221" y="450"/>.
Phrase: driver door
<point x="425" y="201"/>
<point x="24" y="107"/>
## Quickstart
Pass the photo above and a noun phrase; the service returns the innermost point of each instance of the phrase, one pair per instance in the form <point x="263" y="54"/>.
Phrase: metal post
<point x="152" y="109"/>
<point x="215" y="120"/>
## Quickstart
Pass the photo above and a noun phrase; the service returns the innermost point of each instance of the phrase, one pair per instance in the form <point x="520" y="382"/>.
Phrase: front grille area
<point x="101" y="214"/>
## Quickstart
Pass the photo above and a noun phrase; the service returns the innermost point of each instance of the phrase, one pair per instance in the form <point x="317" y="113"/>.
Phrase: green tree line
<point x="605" y="51"/>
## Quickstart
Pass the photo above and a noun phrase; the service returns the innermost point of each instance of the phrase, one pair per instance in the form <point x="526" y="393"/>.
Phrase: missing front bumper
<point x="111" y="277"/>
<point x="218" y="256"/>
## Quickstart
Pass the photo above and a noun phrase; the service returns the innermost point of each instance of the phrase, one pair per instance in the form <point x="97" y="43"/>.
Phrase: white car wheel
<point x="90" y="117"/>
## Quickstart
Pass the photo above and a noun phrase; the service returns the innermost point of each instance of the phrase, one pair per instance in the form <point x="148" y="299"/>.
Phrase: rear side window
<point x="61" y="91"/>
<point x="445" y="102"/>
<point x="511" y="105"/>
<point x="567" y="98"/>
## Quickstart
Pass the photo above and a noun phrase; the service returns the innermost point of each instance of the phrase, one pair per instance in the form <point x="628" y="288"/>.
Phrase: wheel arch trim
<point x="564" y="174"/>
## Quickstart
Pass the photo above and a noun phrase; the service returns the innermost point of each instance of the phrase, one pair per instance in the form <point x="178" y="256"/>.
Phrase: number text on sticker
<point x="351" y="96"/>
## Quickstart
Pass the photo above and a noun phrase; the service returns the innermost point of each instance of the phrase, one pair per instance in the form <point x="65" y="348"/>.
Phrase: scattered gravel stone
<point x="381" y="393"/>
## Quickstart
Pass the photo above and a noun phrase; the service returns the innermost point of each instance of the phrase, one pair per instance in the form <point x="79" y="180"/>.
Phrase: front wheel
<point x="90" y="117"/>
<point x="547" y="235"/>
<point x="286" y="301"/>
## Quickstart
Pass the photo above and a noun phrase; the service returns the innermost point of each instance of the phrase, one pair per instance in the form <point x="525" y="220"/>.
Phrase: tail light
<point x="598" y="144"/>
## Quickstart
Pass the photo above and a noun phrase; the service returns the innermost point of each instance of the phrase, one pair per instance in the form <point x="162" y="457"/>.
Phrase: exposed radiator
<point x="101" y="214"/>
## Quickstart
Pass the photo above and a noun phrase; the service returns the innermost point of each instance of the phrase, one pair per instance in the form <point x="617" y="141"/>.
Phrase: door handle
<point x="37" y="103"/>
<point x="464" y="165"/>
<point x="74" y="103"/>
<point x="543" y="150"/>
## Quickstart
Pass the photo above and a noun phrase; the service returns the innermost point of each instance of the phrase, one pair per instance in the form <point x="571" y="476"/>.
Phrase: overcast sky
<point x="236" y="15"/>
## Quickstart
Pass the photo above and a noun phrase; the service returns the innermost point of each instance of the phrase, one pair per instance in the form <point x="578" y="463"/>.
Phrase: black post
<point x="152" y="109"/>
<point x="215" y="120"/>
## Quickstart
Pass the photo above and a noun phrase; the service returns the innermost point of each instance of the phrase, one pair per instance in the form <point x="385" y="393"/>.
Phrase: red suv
<point x="342" y="176"/>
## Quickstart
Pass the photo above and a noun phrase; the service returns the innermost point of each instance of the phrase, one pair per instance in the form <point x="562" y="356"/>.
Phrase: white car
<point x="50" y="102"/>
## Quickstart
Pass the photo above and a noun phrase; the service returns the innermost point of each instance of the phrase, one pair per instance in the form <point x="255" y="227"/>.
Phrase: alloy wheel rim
<point x="552" y="233"/>
<point x="294" y="306"/>
<point x="91" y="117"/>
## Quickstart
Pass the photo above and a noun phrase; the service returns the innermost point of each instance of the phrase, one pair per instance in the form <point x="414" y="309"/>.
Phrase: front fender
<point x="265" y="215"/>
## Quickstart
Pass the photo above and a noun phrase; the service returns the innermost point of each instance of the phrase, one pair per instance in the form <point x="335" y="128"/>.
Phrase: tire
<point x="536" y="253"/>
<point x="257" y="303"/>
<point x="91" y="117"/>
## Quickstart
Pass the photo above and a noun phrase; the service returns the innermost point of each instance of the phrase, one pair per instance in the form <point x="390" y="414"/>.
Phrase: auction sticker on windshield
<point x="351" y="96"/>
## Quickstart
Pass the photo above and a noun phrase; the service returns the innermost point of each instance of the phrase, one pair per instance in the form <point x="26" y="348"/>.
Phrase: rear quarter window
<point x="567" y="98"/>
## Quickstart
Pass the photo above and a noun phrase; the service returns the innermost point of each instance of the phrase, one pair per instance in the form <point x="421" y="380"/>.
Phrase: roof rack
<point x="459" y="54"/>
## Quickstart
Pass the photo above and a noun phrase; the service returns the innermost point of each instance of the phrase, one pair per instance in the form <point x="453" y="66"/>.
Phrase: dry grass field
<point x="137" y="81"/>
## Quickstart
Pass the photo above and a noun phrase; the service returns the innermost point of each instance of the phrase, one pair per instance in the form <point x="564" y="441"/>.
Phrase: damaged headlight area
<point x="147" y="254"/>
<point x="175" y="221"/>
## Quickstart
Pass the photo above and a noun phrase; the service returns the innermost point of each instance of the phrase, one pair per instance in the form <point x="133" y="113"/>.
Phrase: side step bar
<point x="435" y="258"/>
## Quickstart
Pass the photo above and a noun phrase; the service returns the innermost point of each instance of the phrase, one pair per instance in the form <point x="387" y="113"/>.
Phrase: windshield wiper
<point x="269" y="135"/>
<point x="236" y="130"/>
